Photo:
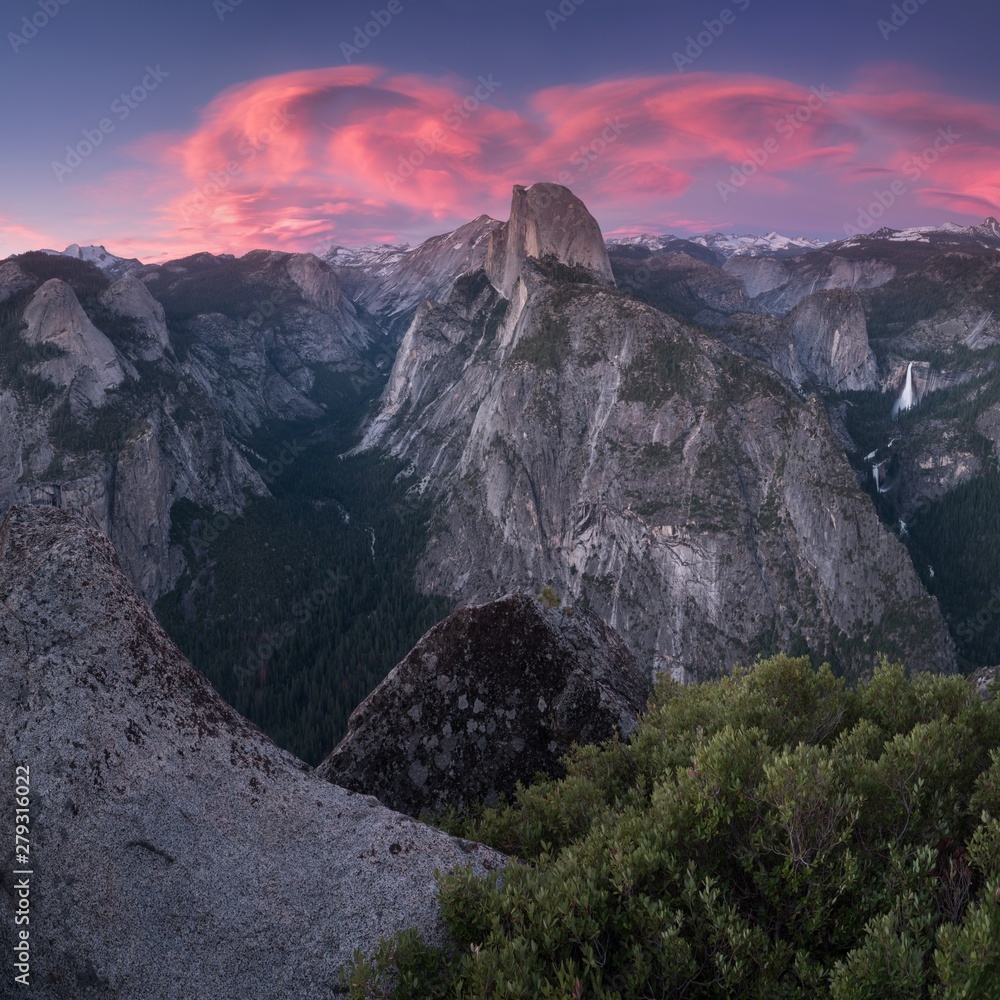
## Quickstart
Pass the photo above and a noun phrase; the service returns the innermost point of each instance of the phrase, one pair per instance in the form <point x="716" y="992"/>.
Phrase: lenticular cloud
<point x="353" y="154"/>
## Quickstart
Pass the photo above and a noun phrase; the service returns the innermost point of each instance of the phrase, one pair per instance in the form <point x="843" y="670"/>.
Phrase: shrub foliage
<point x="774" y="834"/>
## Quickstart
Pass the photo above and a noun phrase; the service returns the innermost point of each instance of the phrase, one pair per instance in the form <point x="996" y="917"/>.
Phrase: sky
<point x="228" y="125"/>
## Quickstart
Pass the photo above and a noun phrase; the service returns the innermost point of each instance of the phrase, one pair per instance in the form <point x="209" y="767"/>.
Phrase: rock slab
<point x="177" y="852"/>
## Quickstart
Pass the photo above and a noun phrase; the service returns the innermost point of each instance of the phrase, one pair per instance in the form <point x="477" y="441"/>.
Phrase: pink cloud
<point x="16" y="238"/>
<point x="355" y="154"/>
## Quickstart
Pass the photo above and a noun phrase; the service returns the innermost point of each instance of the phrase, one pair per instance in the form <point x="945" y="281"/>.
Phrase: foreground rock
<point x="488" y="697"/>
<point x="176" y="851"/>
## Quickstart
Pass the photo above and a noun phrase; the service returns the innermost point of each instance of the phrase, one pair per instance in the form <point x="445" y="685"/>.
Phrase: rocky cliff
<point x="690" y="496"/>
<point x="175" y="851"/>
<point x="391" y="284"/>
<point x="81" y="358"/>
<point x="487" y="698"/>
<point x="830" y="336"/>
<point x="546" y="220"/>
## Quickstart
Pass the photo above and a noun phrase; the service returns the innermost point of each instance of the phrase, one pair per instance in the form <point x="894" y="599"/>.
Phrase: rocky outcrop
<point x="85" y="359"/>
<point x="176" y="851"/>
<point x="12" y="281"/>
<point x="546" y="220"/>
<point x="487" y="698"/>
<point x="830" y="334"/>
<point x="986" y="679"/>
<point x="758" y="274"/>
<point x="779" y="286"/>
<point x="129" y="298"/>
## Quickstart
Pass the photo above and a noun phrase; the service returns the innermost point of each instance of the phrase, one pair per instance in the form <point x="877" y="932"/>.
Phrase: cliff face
<point x="392" y="284"/>
<point x="690" y="496"/>
<point x="488" y="698"/>
<point x="129" y="299"/>
<point x="162" y="818"/>
<point x="779" y="286"/>
<point x="830" y="335"/>
<point x="85" y="361"/>
<point x="546" y="220"/>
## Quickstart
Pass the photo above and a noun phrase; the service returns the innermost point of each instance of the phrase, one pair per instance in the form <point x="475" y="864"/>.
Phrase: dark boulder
<point x="490" y="696"/>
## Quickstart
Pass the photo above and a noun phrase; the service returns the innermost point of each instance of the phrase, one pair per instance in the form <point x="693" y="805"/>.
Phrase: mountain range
<point x="690" y="436"/>
<point x="694" y="451"/>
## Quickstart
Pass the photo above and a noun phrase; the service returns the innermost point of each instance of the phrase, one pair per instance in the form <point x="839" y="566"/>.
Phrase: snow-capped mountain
<point x="986" y="234"/>
<point x="772" y="244"/>
<point x="116" y="267"/>
<point x="646" y="241"/>
<point x="390" y="280"/>
<point x="375" y="258"/>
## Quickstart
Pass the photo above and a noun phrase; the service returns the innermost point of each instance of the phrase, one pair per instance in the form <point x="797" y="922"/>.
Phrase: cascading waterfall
<point x="906" y="400"/>
<point x="877" y="476"/>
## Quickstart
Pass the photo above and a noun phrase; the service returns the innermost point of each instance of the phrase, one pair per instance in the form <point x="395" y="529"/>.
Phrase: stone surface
<point x="129" y="297"/>
<point x="546" y="220"/>
<point x="830" y="334"/>
<point x="391" y="285"/>
<point x="88" y="362"/>
<point x="487" y="698"/>
<point x="176" y="851"/>
<point x="12" y="280"/>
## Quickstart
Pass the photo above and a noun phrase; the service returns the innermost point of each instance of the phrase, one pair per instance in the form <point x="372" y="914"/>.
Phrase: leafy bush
<point x="773" y="834"/>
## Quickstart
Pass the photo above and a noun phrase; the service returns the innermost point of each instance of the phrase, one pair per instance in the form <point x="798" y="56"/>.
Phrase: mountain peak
<point x="546" y="220"/>
<point x="101" y="257"/>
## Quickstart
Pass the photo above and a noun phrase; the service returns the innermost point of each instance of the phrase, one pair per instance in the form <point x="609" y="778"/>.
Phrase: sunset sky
<point x="226" y="125"/>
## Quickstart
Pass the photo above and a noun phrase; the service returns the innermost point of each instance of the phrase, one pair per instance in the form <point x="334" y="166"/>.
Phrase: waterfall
<point x="877" y="476"/>
<point x="906" y="399"/>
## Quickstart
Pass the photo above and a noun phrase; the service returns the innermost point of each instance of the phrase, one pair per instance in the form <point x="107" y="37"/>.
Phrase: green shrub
<point x="773" y="834"/>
